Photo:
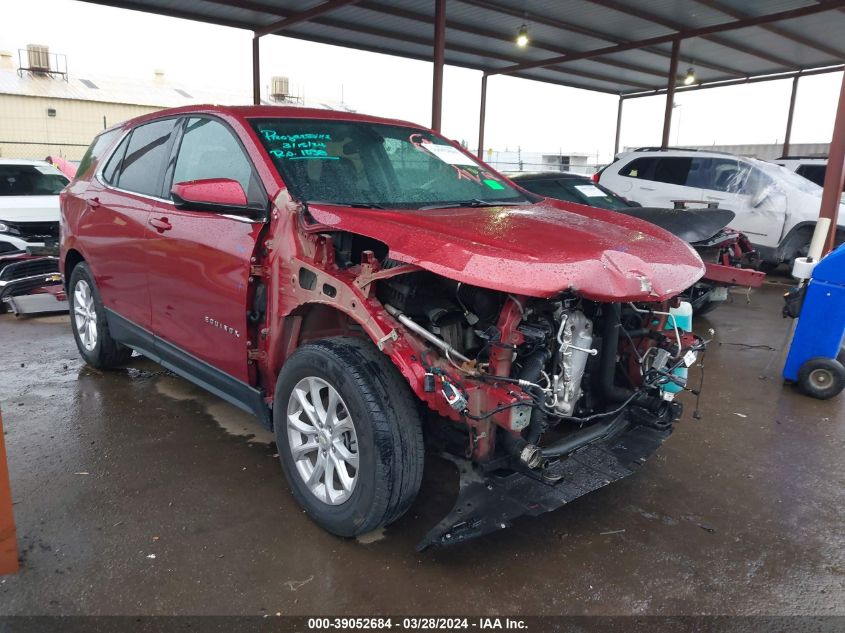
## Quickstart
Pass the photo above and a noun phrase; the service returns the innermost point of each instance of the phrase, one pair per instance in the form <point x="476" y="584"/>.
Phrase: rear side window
<point x="142" y="166"/>
<point x="673" y="171"/>
<point x="113" y="165"/>
<point x="94" y="153"/>
<point x="210" y="150"/>
<point x="814" y="173"/>
<point x="639" y="168"/>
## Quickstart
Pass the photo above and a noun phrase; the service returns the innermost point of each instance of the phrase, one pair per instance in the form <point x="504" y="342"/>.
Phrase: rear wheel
<point x="349" y="435"/>
<point x="822" y="377"/>
<point x="88" y="319"/>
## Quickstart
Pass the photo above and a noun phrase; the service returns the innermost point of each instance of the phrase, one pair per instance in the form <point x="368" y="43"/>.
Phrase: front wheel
<point x="88" y="319"/>
<point x="349" y="435"/>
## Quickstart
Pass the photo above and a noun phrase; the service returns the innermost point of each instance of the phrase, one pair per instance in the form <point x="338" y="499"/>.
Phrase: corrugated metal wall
<point x="28" y="131"/>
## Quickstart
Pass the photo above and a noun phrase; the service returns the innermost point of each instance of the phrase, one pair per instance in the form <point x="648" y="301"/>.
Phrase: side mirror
<point x="760" y="197"/>
<point x="218" y="195"/>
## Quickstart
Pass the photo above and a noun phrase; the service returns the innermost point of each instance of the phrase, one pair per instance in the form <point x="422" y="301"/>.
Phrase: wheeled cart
<point x="814" y="360"/>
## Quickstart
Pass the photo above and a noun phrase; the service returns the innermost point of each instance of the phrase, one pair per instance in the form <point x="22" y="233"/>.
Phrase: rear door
<point x="113" y="226"/>
<point x="199" y="261"/>
<point x="659" y="181"/>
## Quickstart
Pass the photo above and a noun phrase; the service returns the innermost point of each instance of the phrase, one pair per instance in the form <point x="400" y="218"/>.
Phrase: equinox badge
<point x="222" y="326"/>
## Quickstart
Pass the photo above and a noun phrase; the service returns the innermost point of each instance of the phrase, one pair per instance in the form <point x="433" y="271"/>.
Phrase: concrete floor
<point x="137" y="493"/>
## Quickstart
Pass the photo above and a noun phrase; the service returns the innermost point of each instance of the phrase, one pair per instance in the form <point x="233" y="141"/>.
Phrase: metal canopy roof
<point x="621" y="47"/>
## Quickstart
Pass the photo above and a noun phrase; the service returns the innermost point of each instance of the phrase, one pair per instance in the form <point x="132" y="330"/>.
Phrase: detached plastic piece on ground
<point x="8" y="536"/>
<point x="489" y="503"/>
<point x="812" y="359"/>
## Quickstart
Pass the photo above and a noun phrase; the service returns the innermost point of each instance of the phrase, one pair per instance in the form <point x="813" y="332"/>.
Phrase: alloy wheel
<point x="85" y="314"/>
<point x="322" y="440"/>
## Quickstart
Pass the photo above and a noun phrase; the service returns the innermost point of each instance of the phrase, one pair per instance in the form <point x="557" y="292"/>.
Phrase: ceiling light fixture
<point x="522" y="36"/>
<point x="690" y="77"/>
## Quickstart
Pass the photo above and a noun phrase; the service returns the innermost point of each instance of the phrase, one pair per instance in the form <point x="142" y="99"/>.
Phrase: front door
<point x="198" y="261"/>
<point x="759" y="204"/>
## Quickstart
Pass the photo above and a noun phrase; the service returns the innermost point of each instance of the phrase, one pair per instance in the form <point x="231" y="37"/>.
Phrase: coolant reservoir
<point x="682" y="316"/>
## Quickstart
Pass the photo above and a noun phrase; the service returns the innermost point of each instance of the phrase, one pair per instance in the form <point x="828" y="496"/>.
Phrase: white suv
<point x="776" y="208"/>
<point x="29" y="203"/>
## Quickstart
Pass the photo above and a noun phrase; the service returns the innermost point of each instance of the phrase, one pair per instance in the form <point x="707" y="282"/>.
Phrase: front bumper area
<point x="489" y="503"/>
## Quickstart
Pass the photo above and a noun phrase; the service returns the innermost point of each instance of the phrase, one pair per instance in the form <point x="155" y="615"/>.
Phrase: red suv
<point x="353" y="281"/>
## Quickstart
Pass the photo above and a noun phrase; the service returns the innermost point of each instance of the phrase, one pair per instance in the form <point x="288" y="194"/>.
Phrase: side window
<point x="143" y="164"/>
<point x="673" y="171"/>
<point x="94" y="153"/>
<point x="642" y="168"/>
<point x="814" y="173"/>
<point x="112" y="167"/>
<point x="726" y="174"/>
<point x="210" y="150"/>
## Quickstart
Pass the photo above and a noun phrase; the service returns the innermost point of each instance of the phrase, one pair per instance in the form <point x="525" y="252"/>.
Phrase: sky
<point x="521" y="114"/>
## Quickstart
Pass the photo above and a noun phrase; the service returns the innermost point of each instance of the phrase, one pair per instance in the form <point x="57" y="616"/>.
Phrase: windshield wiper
<point x="474" y="202"/>
<point x="356" y="205"/>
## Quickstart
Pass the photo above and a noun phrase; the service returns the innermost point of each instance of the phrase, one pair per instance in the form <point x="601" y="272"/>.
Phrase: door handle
<point x="93" y="202"/>
<point x="161" y="224"/>
<point x="647" y="188"/>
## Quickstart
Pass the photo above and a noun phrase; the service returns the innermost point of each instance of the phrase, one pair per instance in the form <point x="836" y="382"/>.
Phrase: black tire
<point x="106" y="352"/>
<point x="387" y="425"/>
<point x="822" y="378"/>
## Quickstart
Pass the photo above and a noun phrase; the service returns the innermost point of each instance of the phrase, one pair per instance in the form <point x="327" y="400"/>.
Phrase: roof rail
<point x="684" y="149"/>
<point x="801" y="157"/>
<point x="663" y="149"/>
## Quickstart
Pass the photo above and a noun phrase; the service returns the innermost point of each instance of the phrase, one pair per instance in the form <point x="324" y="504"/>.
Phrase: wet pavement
<point x="137" y="493"/>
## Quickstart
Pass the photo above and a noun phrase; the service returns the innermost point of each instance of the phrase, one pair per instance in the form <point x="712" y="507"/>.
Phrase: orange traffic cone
<point x="8" y="537"/>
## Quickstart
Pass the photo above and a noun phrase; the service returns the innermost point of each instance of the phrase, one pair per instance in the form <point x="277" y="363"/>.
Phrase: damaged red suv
<point x="360" y="283"/>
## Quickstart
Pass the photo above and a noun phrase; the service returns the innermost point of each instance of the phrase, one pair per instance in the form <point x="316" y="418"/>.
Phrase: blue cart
<point x="812" y="360"/>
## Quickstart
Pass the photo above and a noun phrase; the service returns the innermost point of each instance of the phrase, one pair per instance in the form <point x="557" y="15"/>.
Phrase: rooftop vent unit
<point x="38" y="57"/>
<point x="37" y="60"/>
<point x="279" y="88"/>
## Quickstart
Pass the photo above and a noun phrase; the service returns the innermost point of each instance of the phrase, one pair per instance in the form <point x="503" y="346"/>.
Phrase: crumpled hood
<point x="537" y="250"/>
<point x="29" y="208"/>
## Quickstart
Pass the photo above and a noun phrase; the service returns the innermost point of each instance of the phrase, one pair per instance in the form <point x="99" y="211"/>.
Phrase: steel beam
<point x="256" y="70"/>
<point x="641" y="13"/>
<point x="482" y="114"/>
<point x="303" y="16"/>
<point x="439" y="61"/>
<point x="670" y="92"/>
<point x="738" y="82"/>
<point x="618" y="126"/>
<point x="834" y="177"/>
<point x="789" y="116"/>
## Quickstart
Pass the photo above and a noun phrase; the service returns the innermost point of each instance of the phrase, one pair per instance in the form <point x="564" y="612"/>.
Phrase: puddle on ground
<point x="230" y="418"/>
<point x="48" y="319"/>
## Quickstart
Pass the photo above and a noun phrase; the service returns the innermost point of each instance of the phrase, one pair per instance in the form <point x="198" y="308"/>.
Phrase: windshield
<point x="580" y="190"/>
<point x="31" y="180"/>
<point x="366" y="164"/>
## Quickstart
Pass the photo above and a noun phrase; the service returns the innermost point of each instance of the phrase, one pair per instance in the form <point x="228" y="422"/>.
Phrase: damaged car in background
<point x="728" y="256"/>
<point x="357" y="281"/>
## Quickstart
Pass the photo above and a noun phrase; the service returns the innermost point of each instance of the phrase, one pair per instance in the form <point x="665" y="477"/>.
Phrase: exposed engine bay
<point x="569" y="362"/>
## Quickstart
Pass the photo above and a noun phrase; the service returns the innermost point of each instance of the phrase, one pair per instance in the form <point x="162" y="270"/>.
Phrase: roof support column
<point x="256" y="71"/>
<point x="439" y="57"/>
<point x="670" y="91"/>
<point x="482" y="113"/>
<point x="788" y="134"/>
<point x="835" y="176"/>
<point x="618" y="126"/>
